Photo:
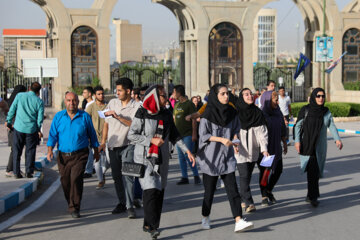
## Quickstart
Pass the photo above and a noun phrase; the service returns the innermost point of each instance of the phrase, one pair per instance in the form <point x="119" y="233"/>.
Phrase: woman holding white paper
<point x="218" y="126"/>
<point x="276" y="134"/>
<point x="253" y="137"/>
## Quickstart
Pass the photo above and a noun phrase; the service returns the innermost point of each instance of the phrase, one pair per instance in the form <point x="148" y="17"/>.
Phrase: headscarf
<point x="17" y="89"/>
<point x="275" y="125"/>
<point x="216" y="112"/>
<point x="312" y="124"/>
<point x="266" y="99"/>
<point x="249" y="114"/>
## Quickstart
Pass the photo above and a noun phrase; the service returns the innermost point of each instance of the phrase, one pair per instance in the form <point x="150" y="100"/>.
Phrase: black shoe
<point x="75" y="214"/>
<point x="146" y="229"/>
<point x="87" y="175"/>
<point x="183" y="181"/>
<point x="265" y="202"/>
<point x="120" y="208"/>
<point x="271" y="198"/>
<point x="314" y="203"/>
<point x="18" y="176"/>
<point x="154" y="234"/>
<point x="131" y="213"/>
<point x="137" y="203"/>
<point x="29" y="175"/>
<point x="307" y="199"/>
<point x="197" y="180"/>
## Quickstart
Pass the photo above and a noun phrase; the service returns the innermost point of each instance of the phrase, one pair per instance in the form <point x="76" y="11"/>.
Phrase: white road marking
<point x="33" y="207"/>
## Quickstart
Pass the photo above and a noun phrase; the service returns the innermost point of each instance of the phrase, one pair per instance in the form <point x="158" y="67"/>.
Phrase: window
<point x="30" y="45"/>
<point x="84" y="56"/>
<point x="351" y="61"/>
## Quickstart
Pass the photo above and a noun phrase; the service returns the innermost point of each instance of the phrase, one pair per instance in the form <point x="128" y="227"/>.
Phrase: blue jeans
<point x="90" y="162"/>
<point x="183" y="158"/>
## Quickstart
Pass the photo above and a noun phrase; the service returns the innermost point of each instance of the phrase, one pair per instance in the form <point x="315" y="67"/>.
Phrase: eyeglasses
<point x="164" y="96"/>
<point x="320" y="96"/>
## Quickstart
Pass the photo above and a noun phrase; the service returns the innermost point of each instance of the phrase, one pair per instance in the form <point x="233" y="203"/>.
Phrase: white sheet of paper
<point x="102" y="114"/>
<point x="236" y="141"/>
<point x="267" y="161"/>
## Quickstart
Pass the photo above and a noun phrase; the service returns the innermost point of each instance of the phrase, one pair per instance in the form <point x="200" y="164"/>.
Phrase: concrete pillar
<point x="193" y="67"/>
<point x="202" y="79"/>
<point x="188" y="68"/>
<point x="182" y="62"/>
<point x="103" y="57"/>
<point x="247" y="65"/>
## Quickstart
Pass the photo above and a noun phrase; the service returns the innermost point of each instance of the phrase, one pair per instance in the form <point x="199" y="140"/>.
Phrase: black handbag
<point x="133" y="169"/>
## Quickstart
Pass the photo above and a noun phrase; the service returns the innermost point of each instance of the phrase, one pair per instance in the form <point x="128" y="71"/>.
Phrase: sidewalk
<point x="14" y="191"/>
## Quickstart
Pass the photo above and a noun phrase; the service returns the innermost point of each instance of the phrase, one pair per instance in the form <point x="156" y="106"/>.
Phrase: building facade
<point x="208" y="56"/>
<point x="265" y="38"/>
<point x="128" y="41"/>
<point x="20" y="44"/>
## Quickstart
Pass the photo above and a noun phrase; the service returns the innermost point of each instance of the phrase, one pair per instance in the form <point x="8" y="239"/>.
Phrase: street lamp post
<point x="324" y="35"/>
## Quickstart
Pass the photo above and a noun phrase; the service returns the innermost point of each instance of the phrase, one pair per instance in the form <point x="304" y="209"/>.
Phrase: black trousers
<point x="245" y="171"/>
<point x="19" y="141"/>
<point x="231" y="191"/>
<point x="10" y="166"/>
<point x="313" y="176"/>
<point x="153" y="202"/>
<point x="273" y="178"/>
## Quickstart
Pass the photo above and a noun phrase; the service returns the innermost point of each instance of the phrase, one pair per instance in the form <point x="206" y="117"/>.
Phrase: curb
<point x="339" y="130"/>
<point x="13" y="199"/>
<point x="18" y="196"/>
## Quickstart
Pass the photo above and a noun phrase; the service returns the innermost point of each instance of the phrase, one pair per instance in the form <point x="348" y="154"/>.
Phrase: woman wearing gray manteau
<point x="218" y="127"/>
<point x="151" y="131"/>
<point x="311" y="140"/>
<point x="253" y="138"/>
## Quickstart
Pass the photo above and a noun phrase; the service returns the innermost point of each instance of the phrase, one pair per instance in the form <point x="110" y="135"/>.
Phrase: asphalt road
<point x="337" y="216"/>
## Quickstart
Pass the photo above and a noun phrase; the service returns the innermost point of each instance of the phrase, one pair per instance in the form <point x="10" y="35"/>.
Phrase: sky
<point x="159" y="25"/>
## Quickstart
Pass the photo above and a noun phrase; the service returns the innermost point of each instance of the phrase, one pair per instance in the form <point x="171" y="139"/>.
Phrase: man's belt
<point x="75" y="152"/>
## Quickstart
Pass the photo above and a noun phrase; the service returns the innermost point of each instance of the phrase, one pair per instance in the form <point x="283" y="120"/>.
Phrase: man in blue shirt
<point x="72" y="129"/>
<point x="29" y="111"/>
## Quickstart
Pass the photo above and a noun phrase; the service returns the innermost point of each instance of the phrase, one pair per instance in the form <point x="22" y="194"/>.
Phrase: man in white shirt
<point x="115" y="131"/>
<point x="285" y="107"/>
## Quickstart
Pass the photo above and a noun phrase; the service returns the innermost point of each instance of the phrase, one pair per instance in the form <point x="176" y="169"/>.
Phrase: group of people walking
<point x="233" y="134"/>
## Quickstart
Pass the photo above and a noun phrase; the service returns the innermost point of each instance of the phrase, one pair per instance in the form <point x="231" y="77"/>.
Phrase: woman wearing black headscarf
<point x="276" y="134"/>
<point x="151" y="131"/>
<point x="218" y="128"/>
<point x="311" y="140"/>
<point x="253" y="138"/>
<point x="9" y="168"/>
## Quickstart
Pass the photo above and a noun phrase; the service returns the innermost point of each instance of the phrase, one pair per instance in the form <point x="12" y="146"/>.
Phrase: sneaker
<point x="183" y="181"/>
<point x="154" y="234"/>
<point x="205" y="223"/>
<point x="250" y="208"/>
<point x="87" y="175"/>
<point x="265" y="202"/>
<point x="18" y="176"/>
<point x="9" y="174"/>
<point x="197" y="180"/>
<point x="271" y="198"/>
<point x="120" y="208"/>
<point x="243" y="225"/>
<point x="100" y="185"/>
<point x="137" y="203"/>
<point x="131" y="213"/>
<point x="75" y="214"/>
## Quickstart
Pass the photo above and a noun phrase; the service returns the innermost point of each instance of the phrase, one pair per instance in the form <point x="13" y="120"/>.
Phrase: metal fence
<point x="140" y="78"/>
<point x="12" y="76"/>
<point x="262" y="75"/>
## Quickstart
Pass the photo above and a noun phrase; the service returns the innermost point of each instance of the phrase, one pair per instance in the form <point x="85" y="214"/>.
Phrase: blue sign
<point x="324" y="49"/>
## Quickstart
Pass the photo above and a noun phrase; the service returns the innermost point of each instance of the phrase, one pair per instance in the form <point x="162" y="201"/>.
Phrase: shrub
<point x="353" y="86"/>
<point x="337" y="109"/>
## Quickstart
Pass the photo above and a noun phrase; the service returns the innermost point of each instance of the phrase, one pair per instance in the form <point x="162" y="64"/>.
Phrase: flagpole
<point x="324" y="35"/>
